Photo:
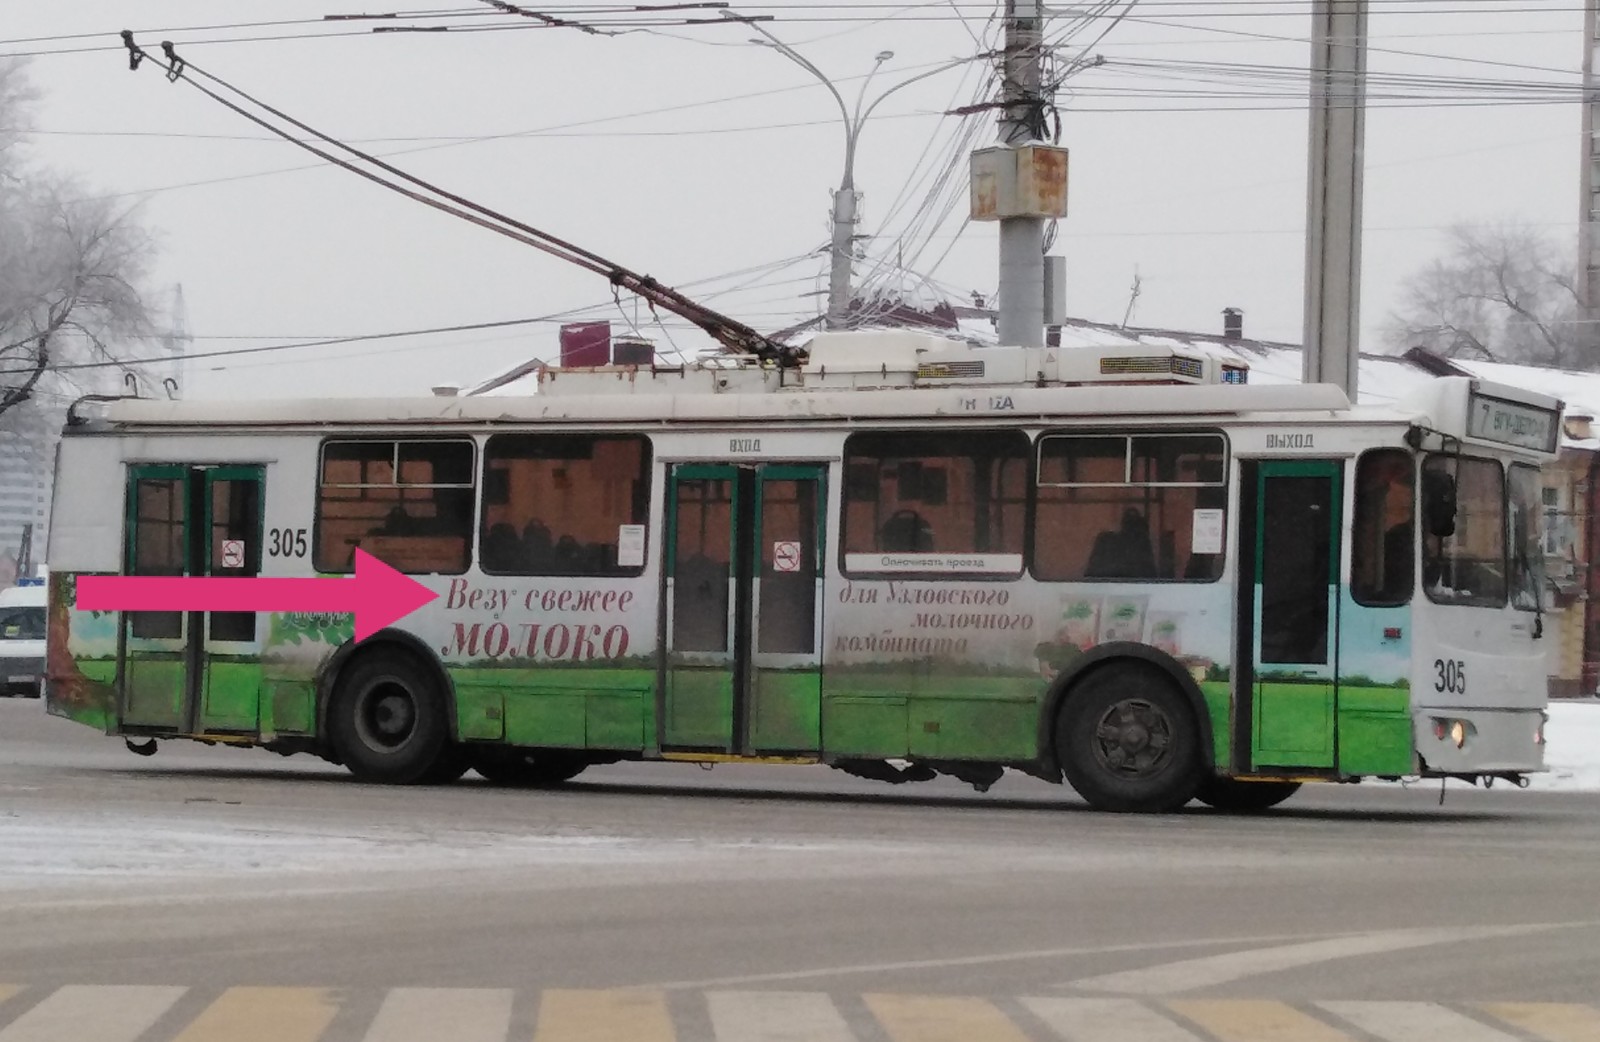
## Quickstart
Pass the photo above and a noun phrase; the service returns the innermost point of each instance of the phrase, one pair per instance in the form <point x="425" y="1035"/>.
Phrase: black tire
<point x="388" y="721"/>
<point x="524" y="768"/>
<point x="1244" y="797"/>
<point x="449" y="767"/>
<point x="1127" y="740"/>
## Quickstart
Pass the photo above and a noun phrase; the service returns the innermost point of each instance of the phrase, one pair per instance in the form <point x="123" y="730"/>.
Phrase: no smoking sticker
<point x="785" y="556"/>
<point x="233" y="553"/>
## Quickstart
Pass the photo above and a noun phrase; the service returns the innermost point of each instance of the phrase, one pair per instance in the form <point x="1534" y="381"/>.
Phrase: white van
<point x="22" y="631"/>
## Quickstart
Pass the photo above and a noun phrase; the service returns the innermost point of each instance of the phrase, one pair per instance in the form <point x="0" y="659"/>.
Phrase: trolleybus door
<point x="744" y="606"/>
<point x="193" y="672"/>
<point x="1289" y="599"/>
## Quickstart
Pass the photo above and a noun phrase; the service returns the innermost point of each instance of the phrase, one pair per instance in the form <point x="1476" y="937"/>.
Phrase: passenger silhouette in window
<point x="906" y="532"/>
<point x="1125" y="553"/>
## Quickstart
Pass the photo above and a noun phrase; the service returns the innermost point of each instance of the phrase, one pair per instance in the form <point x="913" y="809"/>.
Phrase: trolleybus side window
<point x="406" y="502"/>
<point x="561" y="504"/>
<point x="1130" y="507"/>
<point x="1383" y="537"/>
<point x="1464" y="551"/>
<point x="922" y="502"/>
<point x="1527" y="545"/>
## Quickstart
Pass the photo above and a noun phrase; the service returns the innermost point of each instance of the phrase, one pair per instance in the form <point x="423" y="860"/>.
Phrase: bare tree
<point x="70" y="267"/>
<point x="1503" y="293"/>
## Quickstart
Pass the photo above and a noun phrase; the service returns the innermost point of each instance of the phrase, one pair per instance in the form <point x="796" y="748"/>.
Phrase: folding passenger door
<point x="743" y="596"/>
<point x="1289" y="612"/>
<point x="192" y="672"/>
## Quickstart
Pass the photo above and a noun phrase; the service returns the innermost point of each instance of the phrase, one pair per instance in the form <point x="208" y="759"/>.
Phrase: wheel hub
<point x="1132" y="738"/>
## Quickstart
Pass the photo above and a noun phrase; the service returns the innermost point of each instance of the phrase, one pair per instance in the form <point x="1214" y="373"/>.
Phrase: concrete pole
<point x="1021" y="319"/>
<point x="1333" y="204"/>
<point x="839" y="272"/>
<point x="1589" y="180"/>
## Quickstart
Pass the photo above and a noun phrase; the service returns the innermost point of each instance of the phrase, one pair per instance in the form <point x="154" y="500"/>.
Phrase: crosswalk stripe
<point x="264" y="1015"/>
<point x="1414" y="1022"/>
<point x="776" y="1016"/>
<point x="942" y="1018"/>
<point x="1554" y="1021"/>
<point x="93" y="1013"/>
<point x="603" y="1016"/>
<point x="1256" y="1021"/>
<point x="1106" y="1020"/>
<point x="431" y="1014"/>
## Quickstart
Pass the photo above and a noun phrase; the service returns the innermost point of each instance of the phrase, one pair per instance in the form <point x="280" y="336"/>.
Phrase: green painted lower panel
<point x="699" y="707"/>
<point x="290" y="707"/>
<point x="868" y="726"/>
<point x="614" y="720"/>
<point x="1294" y="725"/>
<point x="233" y="695"/>
<point x="553" y="720"/>
<point x="1375" y="743"/>
<point x="974" y="729"/>
<point x="787" y="714"/>
<point x="480" y="712"/>
<point x="1219" y="706"/>
<point x="153" y="690"/>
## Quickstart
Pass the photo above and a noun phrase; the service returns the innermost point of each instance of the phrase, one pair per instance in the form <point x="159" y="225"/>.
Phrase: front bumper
<point x="1480" y="741"/>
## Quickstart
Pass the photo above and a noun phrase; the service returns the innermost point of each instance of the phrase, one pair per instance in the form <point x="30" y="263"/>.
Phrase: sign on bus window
<point x="565" y="504"/>
<point x="944" y="504"/>
<point x="1130" y="507"/>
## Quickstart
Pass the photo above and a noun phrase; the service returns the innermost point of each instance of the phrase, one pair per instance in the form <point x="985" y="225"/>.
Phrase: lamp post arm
<point x="906" y="83"/>
<point x="805" y="63"/>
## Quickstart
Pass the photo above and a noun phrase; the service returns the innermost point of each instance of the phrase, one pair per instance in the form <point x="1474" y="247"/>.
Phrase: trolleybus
<point x="1127" y="569"/>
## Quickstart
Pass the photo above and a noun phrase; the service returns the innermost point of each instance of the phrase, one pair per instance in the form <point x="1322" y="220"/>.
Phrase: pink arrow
<point x="377" y="594"/>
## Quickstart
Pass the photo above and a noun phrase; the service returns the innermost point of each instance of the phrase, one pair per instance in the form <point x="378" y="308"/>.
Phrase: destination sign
<point x="1512" y="423"/>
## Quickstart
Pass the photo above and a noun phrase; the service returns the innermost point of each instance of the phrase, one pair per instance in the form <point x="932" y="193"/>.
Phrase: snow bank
<point x="1573" y="749"/>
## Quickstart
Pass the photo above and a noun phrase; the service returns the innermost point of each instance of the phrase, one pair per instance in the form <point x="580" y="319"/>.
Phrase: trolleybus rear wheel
<point x="388" y="723"/>
<point x="1127" y="741"/>
<point x="527" y="768"/>
<point x="1244" y="797"/>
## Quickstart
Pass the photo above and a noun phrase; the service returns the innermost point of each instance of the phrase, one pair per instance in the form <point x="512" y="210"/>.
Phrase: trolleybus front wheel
<point x="1244" y="797"/>
<point x="1127" y="741"/>
<point x="388" y="723"/>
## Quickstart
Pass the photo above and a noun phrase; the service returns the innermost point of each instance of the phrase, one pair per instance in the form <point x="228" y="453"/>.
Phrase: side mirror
<point x="1439" y="503"/>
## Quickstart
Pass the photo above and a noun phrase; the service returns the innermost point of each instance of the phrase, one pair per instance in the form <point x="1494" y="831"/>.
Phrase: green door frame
<point x="168" y="684"/>
<point x="1294" y="718"/>
<point x="741" y="700"/>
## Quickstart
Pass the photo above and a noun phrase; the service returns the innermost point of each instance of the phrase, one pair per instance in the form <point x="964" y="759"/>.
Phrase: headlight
<point x="1458" y="733"/>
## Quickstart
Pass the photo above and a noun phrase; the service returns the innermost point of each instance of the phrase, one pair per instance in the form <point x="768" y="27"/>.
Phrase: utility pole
<point x="1333" y="202"/>
<point x="1021" y="320"/>
<point x="1589" y="179"/>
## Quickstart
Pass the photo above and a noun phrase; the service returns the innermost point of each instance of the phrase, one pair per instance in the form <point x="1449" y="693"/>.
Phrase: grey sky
<point x="1208" y="204"/>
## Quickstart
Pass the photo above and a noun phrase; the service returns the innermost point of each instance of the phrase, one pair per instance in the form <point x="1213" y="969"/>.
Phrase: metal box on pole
<point x="1019" y="181"/>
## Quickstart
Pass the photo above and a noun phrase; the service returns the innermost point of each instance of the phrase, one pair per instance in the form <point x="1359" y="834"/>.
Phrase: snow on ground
<point x="1572" y="751"/>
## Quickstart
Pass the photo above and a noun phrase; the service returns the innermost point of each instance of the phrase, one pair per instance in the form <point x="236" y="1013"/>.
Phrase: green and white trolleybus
<point x="1128" y="568"/>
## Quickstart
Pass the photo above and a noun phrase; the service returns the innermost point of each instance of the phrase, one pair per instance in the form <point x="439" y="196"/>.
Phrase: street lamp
<point x="846" y="197"/>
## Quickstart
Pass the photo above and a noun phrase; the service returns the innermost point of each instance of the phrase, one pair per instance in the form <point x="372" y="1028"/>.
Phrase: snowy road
<point x="211" y="869"/>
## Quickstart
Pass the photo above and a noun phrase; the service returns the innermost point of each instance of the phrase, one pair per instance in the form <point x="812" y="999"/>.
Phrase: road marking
<point x="264" y="1015"/>
<point x="849" y="969"/>
<point x="602" y="1016"/>
<point x="1212" y="970"/>
<point x="776" y="1016"/>
<point x="431" y="1014"/>
<point x="1554" y="1021"/>
<point x="92" y="1013"/>
<point x="1414" y="1022"/>
<point x="1106" y="1020"/>
<point x="941" y="1018"/>
<point x="1242" y="1021"/>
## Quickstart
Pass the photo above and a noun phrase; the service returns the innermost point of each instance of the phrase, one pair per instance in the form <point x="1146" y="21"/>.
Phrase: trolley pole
<point x="1333" y="204"/>
<point x="1021" y="319"/>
